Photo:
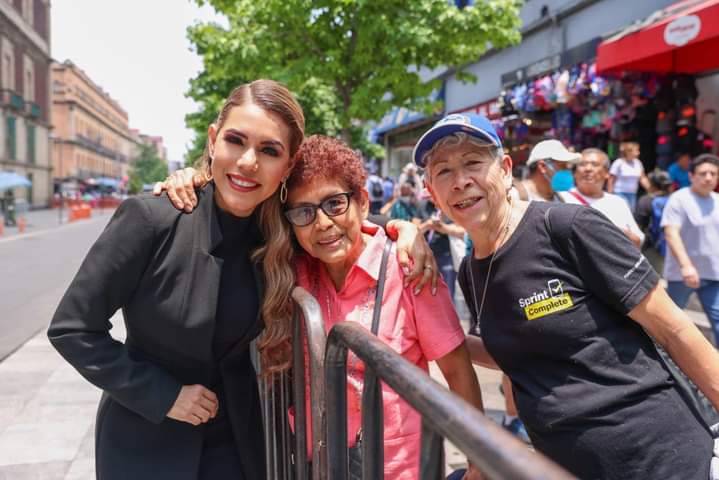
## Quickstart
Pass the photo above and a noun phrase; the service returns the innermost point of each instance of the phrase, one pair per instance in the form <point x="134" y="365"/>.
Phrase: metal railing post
<point x="494" y="451"/>
<point x="316" y="339"/>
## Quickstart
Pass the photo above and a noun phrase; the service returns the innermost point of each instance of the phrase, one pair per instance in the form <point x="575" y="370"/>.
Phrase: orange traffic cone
<point x="21" y="224"/>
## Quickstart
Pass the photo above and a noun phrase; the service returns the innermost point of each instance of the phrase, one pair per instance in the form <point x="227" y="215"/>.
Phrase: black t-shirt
<point x="588" y="382"/>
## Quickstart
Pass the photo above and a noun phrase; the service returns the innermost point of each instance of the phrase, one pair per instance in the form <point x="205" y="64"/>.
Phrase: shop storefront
<point x="399" y="131"/>
<point x="678" y="45"/>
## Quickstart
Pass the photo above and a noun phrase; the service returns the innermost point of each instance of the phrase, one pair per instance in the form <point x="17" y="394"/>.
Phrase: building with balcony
<point x="25" y="125"/>
<point x="92" y="138"/>
<point x="155" y="141"/>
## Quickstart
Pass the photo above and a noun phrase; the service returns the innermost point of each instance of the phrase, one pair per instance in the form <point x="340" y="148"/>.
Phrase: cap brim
<point x="569" y="157"/>
<point x="433" y="135"/>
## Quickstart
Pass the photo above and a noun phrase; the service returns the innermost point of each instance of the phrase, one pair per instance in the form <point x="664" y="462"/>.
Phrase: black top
<point x="588" y="382"/>
<point x="237" y="308"/>
<point x="238" y="301"/>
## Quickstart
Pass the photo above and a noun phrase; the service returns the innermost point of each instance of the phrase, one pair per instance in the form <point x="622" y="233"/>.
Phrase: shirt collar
<point x="370" y="259"/>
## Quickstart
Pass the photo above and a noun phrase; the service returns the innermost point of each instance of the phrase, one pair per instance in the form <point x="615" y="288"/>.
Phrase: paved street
<point x="47" y="410"/>
<point x="36" y="268"/>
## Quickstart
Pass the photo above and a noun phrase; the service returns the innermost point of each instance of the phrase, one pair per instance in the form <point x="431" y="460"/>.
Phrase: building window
<point x="7" y="64"/>
<point x="28" y="11"/>
<point x="29" y="189"/>
<point x="28" y="79"/>
<point x="10" y="146"/>
<point x="31" y="144"/>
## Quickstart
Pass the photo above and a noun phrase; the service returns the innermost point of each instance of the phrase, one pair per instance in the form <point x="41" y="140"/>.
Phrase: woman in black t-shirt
<point x="567" y="307"/>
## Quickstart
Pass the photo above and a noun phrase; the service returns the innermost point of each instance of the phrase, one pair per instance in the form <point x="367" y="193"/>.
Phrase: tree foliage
<point x="348" y="61"/>
<point x="148" y="167"/>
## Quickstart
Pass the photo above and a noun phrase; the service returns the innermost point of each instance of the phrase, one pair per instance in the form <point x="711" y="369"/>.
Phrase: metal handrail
<point x="314" y="331"/>
<point x="495" y="452"/>
<point x="277" y="396"/>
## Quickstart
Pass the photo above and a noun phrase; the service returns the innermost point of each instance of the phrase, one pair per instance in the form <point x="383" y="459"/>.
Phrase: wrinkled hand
<point x="195" y="404"/>
<point x="180" y="187"/>
<point x="690" y="276"/>
<point x="412" y="245"/>
<point x="473" y="474"/>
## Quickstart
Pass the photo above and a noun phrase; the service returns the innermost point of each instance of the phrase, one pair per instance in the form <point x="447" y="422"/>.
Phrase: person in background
<point x="550" y="172"/>
<point x="590" y="173"/>
<point x="438" y="229"/>
<point x="388" y="185"/>
<point x="375" y="189"/>
<point x="679" y="171"/>
<point x="691" y="228"/>
<point x="626" y="174"/>
<point x="409" y="175"/>
<point x="648" y="215"/>
<point x="405" y="207"/>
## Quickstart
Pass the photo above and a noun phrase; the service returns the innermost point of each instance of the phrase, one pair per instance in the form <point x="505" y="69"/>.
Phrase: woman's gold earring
<point x="283" y="191"/>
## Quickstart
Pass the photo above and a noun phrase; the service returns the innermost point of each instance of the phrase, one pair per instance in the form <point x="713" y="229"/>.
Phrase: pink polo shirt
<point x="420" y="328"/>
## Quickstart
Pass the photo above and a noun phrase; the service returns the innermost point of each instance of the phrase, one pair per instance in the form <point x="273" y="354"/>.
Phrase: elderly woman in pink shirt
<point x="326" y="206"/>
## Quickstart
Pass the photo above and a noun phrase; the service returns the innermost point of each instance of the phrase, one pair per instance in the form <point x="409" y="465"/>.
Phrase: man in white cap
<point x="549" y="172"/>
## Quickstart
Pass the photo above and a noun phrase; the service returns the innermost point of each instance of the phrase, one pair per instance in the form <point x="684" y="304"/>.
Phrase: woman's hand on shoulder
<point x="180" y="187"/>
<point x="195" y="404"/>
<point x="411" y="244"/>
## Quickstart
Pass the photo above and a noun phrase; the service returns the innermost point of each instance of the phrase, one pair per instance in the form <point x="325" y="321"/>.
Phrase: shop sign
<point x="488" y="109"/>
<point x="532" y="70"/>
<point x="682" y="30"/>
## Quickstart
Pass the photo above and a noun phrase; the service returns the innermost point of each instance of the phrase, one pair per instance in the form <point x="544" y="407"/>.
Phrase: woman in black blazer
<point x="180" y="398"/>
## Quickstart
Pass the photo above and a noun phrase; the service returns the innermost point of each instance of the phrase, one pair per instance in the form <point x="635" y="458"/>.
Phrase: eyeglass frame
<point x="316" y="206"/>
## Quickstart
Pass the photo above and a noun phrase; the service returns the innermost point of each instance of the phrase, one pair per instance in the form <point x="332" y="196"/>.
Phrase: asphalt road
<point x="35" y="270"/>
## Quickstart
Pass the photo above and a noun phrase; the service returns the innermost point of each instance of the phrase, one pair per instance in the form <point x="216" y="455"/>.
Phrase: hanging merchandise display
<point x="583" y="109"/>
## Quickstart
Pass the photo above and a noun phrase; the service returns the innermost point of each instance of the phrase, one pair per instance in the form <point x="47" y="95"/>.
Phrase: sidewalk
<point x="47" y="218"/>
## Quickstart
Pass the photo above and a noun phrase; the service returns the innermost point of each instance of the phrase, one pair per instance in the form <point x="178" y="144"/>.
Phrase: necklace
<point x="478" y="328"/>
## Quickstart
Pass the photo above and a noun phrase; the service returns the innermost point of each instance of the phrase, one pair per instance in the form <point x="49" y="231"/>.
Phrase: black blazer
<point x="155" y="263"/>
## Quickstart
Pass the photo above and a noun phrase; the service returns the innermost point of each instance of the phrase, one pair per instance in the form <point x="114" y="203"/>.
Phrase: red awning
<point x="682" y="38"/>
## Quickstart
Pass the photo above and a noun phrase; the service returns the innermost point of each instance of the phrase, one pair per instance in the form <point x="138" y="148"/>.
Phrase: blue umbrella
<point x="12" y="180"/>
<point x="107" y="182"/>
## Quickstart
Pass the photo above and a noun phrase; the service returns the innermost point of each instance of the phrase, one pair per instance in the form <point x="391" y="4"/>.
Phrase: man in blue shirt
<point x="679" y="171"/>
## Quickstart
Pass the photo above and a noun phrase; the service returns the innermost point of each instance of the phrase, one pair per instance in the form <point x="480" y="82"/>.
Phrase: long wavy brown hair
<point x="275" y="254"/>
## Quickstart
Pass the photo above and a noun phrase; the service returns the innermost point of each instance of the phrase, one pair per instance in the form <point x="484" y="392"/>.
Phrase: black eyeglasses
<point x="333" y="205"/>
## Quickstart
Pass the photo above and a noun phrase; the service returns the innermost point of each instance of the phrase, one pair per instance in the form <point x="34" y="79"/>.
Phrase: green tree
<point x="349" y="61"/>
<point x="148" y="167"/>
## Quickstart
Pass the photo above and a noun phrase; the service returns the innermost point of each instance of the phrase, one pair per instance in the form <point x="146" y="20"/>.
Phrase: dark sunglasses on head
<point x="333" y="205"/>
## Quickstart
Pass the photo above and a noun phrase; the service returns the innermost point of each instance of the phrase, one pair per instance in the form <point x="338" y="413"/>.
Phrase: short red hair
<point x="326" y="158"/>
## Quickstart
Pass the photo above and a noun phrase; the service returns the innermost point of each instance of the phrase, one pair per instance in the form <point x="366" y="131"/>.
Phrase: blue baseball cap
<point x="470" y="123"/>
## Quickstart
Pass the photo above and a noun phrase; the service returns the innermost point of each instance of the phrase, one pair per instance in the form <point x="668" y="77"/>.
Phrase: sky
<point x="137" y="51"/>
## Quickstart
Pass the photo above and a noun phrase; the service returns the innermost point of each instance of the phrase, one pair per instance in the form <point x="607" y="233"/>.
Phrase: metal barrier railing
<point x="279" y="391"/>
<point x="495" y="452"/>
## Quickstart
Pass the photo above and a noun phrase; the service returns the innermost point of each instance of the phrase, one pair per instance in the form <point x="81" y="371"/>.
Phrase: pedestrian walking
<point x="648" y="215"/>
<point x="679" y="171"/>
<point x="626" y="174"/>
<point x="375" y="189"/>
<point x="568" y="308"/>
<point x="590" y="174"/>
<point x="691" y="228"/>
